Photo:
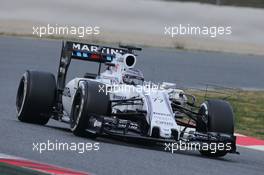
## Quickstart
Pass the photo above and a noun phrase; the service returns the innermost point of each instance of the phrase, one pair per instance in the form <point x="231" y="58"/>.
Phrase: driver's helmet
<point x="133" y="76"/>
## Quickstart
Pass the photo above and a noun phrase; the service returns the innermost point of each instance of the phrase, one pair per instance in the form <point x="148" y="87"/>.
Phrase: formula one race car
<point x="119" y="102"/>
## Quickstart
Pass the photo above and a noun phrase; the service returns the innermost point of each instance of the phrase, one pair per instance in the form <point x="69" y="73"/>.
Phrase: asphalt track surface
<point x="113" y="157"/>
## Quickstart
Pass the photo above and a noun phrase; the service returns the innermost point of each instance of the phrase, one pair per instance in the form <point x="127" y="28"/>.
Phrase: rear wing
<point x="91" y="52"/>
<point x="95" y="53"/>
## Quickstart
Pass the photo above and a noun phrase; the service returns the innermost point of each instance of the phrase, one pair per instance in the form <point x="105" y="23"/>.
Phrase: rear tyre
<point x="220" y="118"/>
<point x="36" y="97"/>
<point x="88" y="104"/>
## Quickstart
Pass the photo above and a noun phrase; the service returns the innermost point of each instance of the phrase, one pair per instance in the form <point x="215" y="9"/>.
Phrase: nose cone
<point x="161" y="114"/>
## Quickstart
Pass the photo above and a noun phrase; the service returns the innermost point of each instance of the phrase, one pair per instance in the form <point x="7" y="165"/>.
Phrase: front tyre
<point x="88" y="104"/>
<point x="36" y="97"/>
<point x="220" y="119"/>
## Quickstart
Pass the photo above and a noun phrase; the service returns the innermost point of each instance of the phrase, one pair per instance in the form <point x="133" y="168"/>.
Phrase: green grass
<point x="248" y="108"/>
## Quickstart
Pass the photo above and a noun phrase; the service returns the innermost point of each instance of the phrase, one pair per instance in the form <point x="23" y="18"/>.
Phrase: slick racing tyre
<point x="36" y="97"/>
<point x="220" y="119"/>
<point x="88" y="105"/>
